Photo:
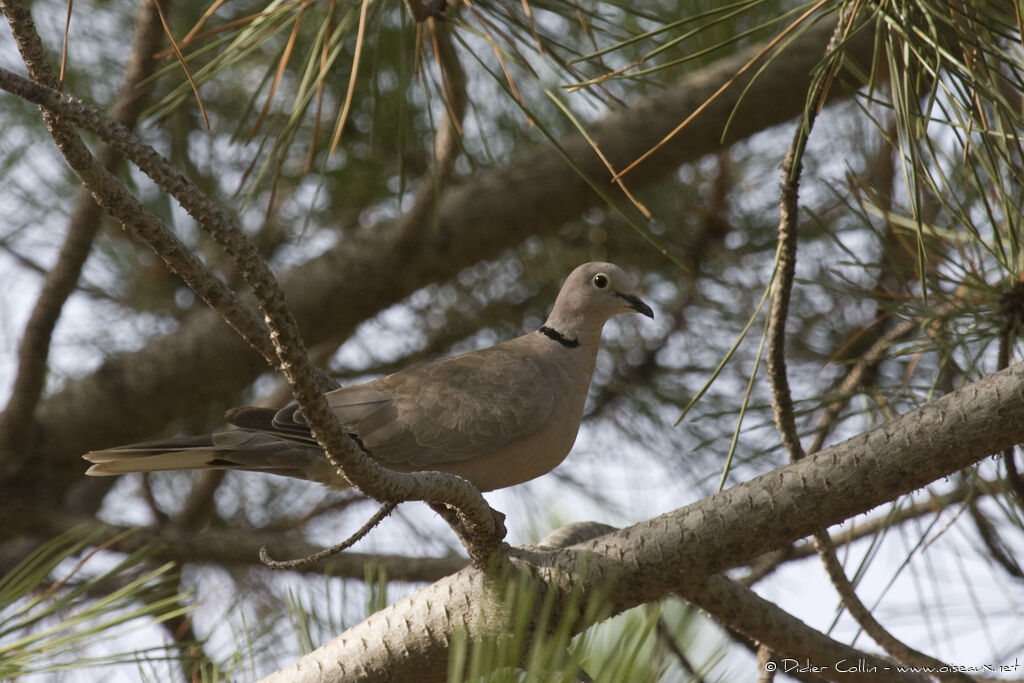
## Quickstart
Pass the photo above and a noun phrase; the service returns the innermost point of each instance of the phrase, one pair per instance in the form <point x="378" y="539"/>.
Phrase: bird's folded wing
<point x="450" y="410"/>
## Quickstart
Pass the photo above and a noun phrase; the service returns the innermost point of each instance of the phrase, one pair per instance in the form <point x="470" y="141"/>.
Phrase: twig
<point x="1013" y="477"/>
<point x="772" y="44"/>
<point x="765" y="666"/>
<point x="302" y="562"/>
<point x="890" y="280"/>
<point x="177" y="256"/>
<point x="854" y="377"/>
<point x="38" y="268"/>
<point x="326" y="505"/>
<point x="1012" y="309"/>
<point x="785" y="269"/>
<point x="993" y="543"/>
<point x="666" y="639"/>
<point x="34" y="349"/>
<point x="766" y="564"/>
<point x="859" y="611"/>
<point x="741" y="609"/>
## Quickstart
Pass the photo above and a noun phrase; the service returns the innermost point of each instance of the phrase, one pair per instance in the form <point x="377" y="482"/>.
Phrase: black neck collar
<point x="559" y="337"/>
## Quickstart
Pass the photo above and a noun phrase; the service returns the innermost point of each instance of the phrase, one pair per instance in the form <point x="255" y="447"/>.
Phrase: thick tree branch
<point x="935" y="504"/>
<point x="683" y="548"/>
<point x="739" y="608"/>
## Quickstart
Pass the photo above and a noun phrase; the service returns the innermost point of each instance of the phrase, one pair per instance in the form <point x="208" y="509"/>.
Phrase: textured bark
<point x="788" y="638"/>
<point x="678" y="551"/>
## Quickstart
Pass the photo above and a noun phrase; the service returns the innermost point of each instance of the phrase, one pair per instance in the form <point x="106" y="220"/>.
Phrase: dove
<point x="498" y="416"/>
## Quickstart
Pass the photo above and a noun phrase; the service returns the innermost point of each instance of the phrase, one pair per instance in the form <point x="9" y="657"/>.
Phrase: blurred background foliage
<point x="910" y="256"/>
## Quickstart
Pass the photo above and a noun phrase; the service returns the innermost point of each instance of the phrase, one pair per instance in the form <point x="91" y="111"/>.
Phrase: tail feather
<point x="185" y="453"/>
<point x="106" y="463"/>
<point x="239" y="449"/>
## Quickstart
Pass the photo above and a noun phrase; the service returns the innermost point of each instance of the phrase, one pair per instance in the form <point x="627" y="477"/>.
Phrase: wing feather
<point x="450" y="410"/>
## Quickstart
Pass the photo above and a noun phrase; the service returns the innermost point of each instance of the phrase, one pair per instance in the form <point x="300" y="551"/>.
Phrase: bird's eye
<point x="600" y="280"/>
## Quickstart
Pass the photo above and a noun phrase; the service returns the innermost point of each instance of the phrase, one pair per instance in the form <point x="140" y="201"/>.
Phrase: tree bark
<point x="679" y="551"/>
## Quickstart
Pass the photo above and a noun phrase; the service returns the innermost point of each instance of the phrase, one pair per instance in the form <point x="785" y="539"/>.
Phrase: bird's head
<point x="592" y="294"/>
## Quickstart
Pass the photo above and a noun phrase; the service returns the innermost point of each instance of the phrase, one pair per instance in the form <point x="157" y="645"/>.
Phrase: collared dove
<point x="498" y="416"/>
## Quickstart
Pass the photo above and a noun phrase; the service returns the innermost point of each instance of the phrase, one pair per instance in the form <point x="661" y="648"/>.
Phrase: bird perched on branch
<point x="498" y="416"/>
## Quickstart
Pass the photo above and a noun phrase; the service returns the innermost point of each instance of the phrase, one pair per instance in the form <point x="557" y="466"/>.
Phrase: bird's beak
<point x="637" y="305"/>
